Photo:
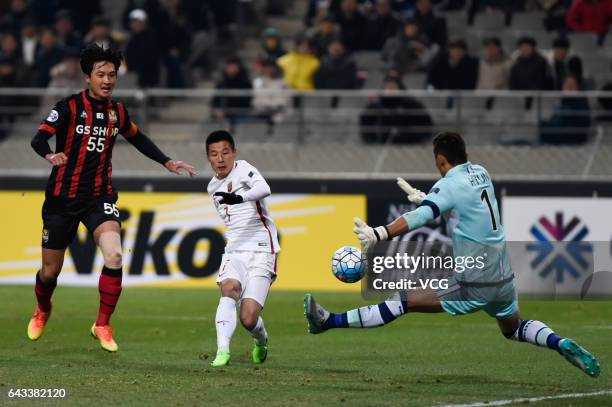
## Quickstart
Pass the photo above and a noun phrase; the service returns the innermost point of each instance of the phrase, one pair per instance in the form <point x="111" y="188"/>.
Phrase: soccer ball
<point x="347" y="265"/>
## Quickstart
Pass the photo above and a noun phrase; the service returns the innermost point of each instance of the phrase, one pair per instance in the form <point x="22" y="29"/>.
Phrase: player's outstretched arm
<point x="368" y="236"/>
<point x="176" y="167"/>
<point x="147" y="147"/>
<point x="413" y="195"/>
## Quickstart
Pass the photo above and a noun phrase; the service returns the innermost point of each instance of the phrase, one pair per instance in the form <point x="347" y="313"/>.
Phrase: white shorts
<point x="254" y="270"/>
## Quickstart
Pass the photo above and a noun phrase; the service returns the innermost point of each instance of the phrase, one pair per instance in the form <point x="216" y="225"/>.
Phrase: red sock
<point x="43" y="292"/>
<point x="109" y="287"/>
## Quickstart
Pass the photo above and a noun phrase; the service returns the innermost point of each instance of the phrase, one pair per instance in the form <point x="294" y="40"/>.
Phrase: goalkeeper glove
<point x="229" y="198"/>
<point x="414" y="195"/>
<point x="368" y="236"/>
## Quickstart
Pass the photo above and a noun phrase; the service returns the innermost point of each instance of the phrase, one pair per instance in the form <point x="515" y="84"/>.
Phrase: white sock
<point x="536" y="333"/>
<point x="259" y="333"/>
<point x="225" y="322"/>
<point x="381" y="314"/>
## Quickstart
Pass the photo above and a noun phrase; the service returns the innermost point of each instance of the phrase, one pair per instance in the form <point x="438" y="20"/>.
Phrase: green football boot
<point x="315" y="314"/>
<point x="579" y="357"/>
<point x="222" y="359"/>
<point x="260" y="353"/>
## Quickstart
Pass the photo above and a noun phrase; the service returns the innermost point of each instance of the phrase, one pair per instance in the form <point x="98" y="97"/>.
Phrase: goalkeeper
<point x="467" y="190"/>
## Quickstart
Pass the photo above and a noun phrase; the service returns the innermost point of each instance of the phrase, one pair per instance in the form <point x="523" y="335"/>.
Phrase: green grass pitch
<point x="167" y="340"/>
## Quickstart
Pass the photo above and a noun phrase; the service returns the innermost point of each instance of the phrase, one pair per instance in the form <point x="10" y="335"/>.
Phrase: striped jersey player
<point x="80" y="190"/>
<point x="248" y="266"/>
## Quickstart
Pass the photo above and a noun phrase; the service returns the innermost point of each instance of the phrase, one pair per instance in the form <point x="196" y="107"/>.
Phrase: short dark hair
<point x="527" y="40"/>
<point x="451" y="146"/>
<point x="95" y="53"/>
<point x="459" y="43"/>
<point x="561" y="42"/>
<point x="220" y="135"/>
<point x="492" y="41"/>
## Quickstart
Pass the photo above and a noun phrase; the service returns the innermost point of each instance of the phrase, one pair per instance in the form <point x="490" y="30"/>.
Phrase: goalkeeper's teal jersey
<point x="467" y="190"/>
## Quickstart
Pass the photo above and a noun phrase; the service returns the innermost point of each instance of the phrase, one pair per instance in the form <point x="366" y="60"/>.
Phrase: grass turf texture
<point x="167" y="340"/>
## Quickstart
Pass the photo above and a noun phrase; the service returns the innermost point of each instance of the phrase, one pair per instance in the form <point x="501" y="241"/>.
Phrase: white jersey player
<point x="248" y="266"/>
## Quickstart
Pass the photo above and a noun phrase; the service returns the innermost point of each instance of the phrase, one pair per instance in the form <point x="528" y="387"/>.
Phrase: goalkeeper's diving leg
<point x="371" y="316"/>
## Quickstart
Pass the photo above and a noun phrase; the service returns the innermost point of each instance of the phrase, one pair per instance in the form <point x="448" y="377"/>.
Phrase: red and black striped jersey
<point x="85" y="131"/>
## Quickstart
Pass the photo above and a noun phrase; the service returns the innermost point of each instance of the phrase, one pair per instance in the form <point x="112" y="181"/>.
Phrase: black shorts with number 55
<point x="61" y="218"/>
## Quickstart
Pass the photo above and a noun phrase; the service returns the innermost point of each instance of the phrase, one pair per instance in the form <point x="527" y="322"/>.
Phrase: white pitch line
<point x="531" y="399"/>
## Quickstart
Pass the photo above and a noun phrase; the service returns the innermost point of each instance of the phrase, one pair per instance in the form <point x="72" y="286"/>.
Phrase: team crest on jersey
<point x="112" y="116"/>
<point x="53" y="116"/>
<point x="229" y="187"/>
<point x="45" y="235"/>
<point x="83" y="115"/>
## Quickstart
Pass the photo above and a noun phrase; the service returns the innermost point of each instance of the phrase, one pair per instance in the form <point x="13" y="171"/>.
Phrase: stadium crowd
<point x="173" y="43"/>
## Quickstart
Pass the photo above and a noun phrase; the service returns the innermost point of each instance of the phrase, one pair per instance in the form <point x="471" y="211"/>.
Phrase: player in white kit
<point x="248" y="266"/>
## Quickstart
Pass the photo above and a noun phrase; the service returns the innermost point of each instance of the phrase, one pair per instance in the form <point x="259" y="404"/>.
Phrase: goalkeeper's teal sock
<point x="371" y="316"/>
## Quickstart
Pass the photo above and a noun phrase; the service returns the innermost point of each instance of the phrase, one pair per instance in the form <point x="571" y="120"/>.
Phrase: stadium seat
<point x="375" y="79"/>
<point x="491" y="21"/>
<point x="415" y="80"/>
<point x="368" y="60"/>
<point x="473" y="108"/>
<point x="457" y="23"/>
<point x="583" y="41"/>
<point x="527" y="21"/>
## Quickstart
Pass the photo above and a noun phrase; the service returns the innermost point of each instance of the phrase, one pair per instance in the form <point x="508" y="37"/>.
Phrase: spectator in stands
<point x="142" y="52"/>
<point x="530" y="70"/>
<point x="48" y="55"/>
<point x="380" y="26"/>
<point x="232" y="108"/>
<point x="176" y="43"/>
<point x="101" y="33"/>
<point x="559" y="60"/>
<point x="317" y="9"/>
<point x="300" y="65"/>
<point x="83" y="12"/>
<point x="494" y="71"/>
<point x="29" y="45"/>
<point x="10" y="61"/>
<point x="10" y="70"/>
<point x="394" y="118"/>
<point x="271" y="48"/>
<point x="156" y="18"/>
<point x="67" y="74"/>
<point x="14" y="19"/>
<point x="338" y="70"/>
<point x="352" y="24"/>
<point x="410" y="50"/>
<point x="506" y="6"/>
<point x="453" y="69"/>
<point x="324" y="32"/>
<point x="270" y="101"/>
<point x="571" y="119"/>
<point x="593" y="16"/>
<point x="67" y="36"/>
<point x="430" y="24"/>
<point x="555" y="12"/>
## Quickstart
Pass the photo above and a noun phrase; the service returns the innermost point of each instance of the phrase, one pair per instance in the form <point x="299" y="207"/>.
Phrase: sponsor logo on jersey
<point x="53" y="116"/>
<point x="95" y="130"/>
<point x="229" y="187"/>
<point x="83" y="115"/>
<point x="45" y="235"/>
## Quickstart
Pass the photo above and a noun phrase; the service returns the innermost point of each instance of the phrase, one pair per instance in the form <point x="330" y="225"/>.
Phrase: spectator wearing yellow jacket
<point x="300" y="65"/>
